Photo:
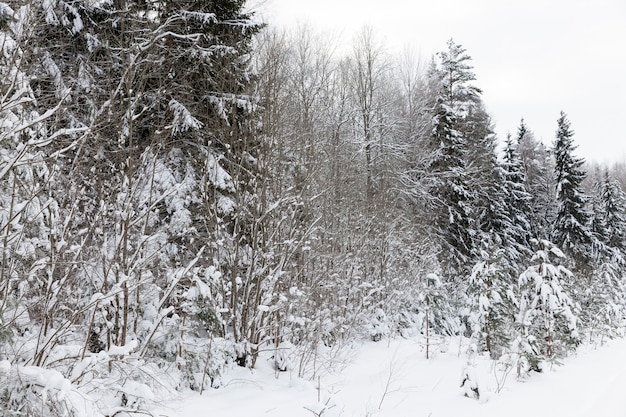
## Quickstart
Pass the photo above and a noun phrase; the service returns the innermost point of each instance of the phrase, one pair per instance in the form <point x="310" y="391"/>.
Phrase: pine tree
<point x="570" y="230"/>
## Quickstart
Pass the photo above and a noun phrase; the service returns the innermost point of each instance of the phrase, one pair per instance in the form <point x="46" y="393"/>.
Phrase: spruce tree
<point x="486" y="178"/>
<point x="157" y="158"/>
<point x="548" y="326"/>
<point x="452" y="193"/>
<point x="539" y="182"/>
<point x="613" y="212"/>
<point x="490" y="307"/>
<point x="571" y="227"/>
<point x="517" y="199"/>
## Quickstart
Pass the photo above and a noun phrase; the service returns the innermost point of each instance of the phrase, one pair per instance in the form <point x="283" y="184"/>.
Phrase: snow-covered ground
<point x="393" y="378"/>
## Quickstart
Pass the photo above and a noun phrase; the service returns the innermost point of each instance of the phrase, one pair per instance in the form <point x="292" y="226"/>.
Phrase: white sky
<point x="532" y="58"/>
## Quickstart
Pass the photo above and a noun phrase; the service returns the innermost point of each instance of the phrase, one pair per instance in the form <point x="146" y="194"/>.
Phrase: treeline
<point x="183" y="189"/>
<point x="403" y="161"/>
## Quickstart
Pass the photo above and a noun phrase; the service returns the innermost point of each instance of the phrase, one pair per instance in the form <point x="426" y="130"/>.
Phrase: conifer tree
<point x="158" y="151"/>
<point x="517" y="199"/>
<point x="597" y="224"/>
<point x="539" y="181"/>
<point x="486" y="178"/>
<point x="548" y="324"/>
<point x="452" y="191"/>
<point x="491" y="309"/>
<point x="603" y="301"/>
<point x="570" y="231"/>
<point x="613" y="212"/>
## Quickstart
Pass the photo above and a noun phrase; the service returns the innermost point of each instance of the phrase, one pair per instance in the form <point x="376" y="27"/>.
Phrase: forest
<point x="184" y="189"/>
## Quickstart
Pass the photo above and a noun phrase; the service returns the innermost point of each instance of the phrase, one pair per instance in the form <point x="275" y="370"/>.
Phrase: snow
<point x="218" y="175"/>
<point x="5" y="367"/>
<point x="47" y="378"/>
<point x="206" y="18"/>
<point x="48" y="6"/>
<point x="138" y="389"/>
<point x="123" y="350"/>
<point x="393" y="378"/>
<point x="183" y="119"/>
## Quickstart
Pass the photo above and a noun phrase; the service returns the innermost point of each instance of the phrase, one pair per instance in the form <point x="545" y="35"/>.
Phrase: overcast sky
<point x="532" y="58"/>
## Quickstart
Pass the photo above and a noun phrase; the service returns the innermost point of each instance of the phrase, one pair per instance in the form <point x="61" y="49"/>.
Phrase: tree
<point x="547" y="325"/>
<point x="517" y="199"/>
<point x="570" y="230"/>
<point x="603" y="301"/>
<point x="486" y="178"/>
<point x="539" y="181"/>
<point x="491" y="309"/>
<point x="597" y="225"/>
<point x="451" y="191"/>
<point x="369" y="77"/>
<point x="436" y="309"/>
<point x="153" y="142"/>
<point x="612" y="211"/>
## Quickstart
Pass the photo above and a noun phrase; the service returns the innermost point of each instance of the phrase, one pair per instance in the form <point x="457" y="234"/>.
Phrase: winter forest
<point x="184" y="190"/>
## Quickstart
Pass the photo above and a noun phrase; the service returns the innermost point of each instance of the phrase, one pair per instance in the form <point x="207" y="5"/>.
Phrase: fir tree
<point x="602" y="306"/>
<point x="452" y="191"/>
<point x="437" y="310"/>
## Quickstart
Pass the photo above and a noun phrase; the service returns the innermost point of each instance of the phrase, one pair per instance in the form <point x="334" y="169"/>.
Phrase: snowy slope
<point x="394" y="379"/>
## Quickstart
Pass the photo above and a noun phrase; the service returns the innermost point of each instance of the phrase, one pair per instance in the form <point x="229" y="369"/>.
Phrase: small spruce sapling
<point x="490" y="310"/>
<point x="433" y="298"/>
<point x="547" y="326"/>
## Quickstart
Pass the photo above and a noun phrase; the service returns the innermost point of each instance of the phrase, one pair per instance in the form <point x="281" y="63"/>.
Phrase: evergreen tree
<point x="517" y="199"/>
<point x="612" y="210"/>
<point x="156" y="157"/>
<point x="437" y="311"/>
<point x="602" y="306"/>
<point x="547" y="325"/>
<point x="539" y="181"/>
<point x="452" y="192"/>
<point x="491" y="309"/>
<point x="597" y="225"/>
<point x="570" y="230"/>
<point x="486" y="178"/>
